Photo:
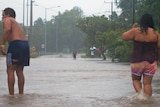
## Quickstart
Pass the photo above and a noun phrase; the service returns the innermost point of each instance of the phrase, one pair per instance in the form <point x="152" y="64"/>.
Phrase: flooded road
<point x="53" y="81"/>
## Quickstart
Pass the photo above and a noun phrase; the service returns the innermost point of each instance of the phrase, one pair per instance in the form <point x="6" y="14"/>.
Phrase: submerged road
<point x="61" y="81"/>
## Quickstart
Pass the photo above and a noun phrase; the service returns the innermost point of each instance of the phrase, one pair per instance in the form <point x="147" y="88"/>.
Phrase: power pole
<point x="45" y="34"/>
<point x="111" y="3"/>
<point x="31" y="19"/>
<point x="27" y="20"/>
<point x="111" y="10"/>
<point x="23" y="11"/>
<point x="133" y="11"/>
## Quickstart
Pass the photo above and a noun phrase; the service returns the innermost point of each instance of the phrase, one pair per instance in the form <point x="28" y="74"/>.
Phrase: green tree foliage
<point x="38" y="31"/>
<point x="69" y="36"/>
<point x="61" y="32"/>
<point x="103" y="33"/>
<point x="94" y="26"/>
<point x="149" y="6"/>
<point x="126" y="17"/>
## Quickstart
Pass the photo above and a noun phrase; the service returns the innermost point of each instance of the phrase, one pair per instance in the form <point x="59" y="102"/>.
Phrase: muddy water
<point x="64" y="82"/>
<point x="40" y="100"/>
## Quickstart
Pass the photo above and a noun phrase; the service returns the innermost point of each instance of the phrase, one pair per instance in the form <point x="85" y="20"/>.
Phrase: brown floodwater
<point x="53" y="81"/>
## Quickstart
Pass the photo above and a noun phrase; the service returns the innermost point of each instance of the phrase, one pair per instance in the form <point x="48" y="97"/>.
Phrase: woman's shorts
<point x="144" y="67"/>
<point x="18" y="53"/>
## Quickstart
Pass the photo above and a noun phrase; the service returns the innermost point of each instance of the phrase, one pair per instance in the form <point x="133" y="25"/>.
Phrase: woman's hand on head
<point x="135" y="25"/>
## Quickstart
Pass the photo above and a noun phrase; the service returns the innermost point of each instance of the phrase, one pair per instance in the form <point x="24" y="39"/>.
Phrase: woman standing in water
<point x="145" y="53"/>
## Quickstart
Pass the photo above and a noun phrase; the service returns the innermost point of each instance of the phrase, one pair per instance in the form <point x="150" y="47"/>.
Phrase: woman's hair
<point x="146" y="21"/>
<point x="10" y="12"/>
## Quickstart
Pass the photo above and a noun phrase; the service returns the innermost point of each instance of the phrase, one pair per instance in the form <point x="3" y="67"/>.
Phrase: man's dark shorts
<point x="18" y="53"/>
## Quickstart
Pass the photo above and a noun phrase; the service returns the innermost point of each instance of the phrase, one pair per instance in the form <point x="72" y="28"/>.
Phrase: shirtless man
<point x="145" y="55"/>
<point x="17" y="55"/>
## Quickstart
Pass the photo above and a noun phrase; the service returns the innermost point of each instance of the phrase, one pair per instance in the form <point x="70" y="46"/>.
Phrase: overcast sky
<point x="89" y="7"/>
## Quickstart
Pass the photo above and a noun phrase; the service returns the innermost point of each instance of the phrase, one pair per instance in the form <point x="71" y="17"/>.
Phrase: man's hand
<point x="3" y="49"/>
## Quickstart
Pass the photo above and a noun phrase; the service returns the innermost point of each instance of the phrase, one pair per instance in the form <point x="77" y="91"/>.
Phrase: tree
<point x="61" y="32"/>
<point x="148" y="6"/>
<point x="127" y="11"/>
<point x="94" y="26"/>
<point x="102" y="33"/>
<point x="68" y="34"/>
<point x="38" y="34"/>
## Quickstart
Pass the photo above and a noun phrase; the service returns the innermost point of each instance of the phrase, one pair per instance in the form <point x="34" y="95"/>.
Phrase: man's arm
<point x="6" y="30"/>
<point x="5" y="34"/>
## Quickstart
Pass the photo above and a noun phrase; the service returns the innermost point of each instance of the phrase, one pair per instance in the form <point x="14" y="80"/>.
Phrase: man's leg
<point x="21" y="79"/>
<point x="11" y="79"/>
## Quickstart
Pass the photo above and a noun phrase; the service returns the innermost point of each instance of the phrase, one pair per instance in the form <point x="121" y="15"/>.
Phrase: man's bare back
<point x="13" y="30"/>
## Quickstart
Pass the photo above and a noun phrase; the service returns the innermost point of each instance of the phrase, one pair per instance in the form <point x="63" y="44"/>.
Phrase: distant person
<point x="144" y="59"/>
<point x="17" y="55"/>
<point x="74" y="54"/>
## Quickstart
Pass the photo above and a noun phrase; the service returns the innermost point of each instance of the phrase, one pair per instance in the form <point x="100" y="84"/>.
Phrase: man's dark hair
<point x="146" y="22"/>
<point x="10" y="12"/>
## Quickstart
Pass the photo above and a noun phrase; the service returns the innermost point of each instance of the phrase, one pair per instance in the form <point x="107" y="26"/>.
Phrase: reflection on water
<point x="127" y="102"/>
<point x="26" y="100"/>
<point x="37" y="100"/>
<point x="153" y="101"/>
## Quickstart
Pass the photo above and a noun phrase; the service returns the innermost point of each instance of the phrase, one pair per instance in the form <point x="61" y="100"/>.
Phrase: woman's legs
<point x="143" y="68"/>
<point x="137" y="83"/>
<point x="147" y="82"/>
